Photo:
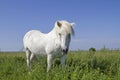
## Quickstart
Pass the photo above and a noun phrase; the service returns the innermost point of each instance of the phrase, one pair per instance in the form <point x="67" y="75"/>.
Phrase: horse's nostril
<point x="65" y="50"/>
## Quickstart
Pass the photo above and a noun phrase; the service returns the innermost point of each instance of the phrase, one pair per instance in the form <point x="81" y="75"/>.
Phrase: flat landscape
<point x="80" y="65"/>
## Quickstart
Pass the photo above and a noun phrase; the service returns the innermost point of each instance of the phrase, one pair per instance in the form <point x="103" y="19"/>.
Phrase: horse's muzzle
<point x="65" y="51"/>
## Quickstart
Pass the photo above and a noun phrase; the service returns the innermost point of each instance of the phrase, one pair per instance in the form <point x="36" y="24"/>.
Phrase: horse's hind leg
<point x="28" y="54"/>
<point x="31" y="58"/>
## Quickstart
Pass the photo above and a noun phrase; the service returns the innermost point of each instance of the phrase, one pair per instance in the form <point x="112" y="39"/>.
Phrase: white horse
<point x="51" y="44"/>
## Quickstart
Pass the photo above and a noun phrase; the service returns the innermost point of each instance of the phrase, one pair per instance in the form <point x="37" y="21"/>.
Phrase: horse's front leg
<point x="49" y="61"/>
<point x="63" y="58"/>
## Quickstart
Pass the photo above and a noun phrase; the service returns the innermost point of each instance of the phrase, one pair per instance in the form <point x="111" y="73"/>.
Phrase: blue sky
<point x="97" y="21"/>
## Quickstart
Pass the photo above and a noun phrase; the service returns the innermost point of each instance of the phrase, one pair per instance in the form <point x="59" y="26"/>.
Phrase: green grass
<point x="80" y="65"/>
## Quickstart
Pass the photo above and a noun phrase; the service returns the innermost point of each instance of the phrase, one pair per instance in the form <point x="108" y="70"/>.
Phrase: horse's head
<point x="64" y="30"/>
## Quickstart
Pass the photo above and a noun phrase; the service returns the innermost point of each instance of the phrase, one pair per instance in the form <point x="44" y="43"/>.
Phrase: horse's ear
<point x="59" y="24"/>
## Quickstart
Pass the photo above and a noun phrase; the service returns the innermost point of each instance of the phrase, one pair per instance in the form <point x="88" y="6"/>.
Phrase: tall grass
<point x="80" y="65"/>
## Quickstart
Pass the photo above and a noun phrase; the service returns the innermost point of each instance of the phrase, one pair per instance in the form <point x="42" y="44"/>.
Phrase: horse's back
<point x="31" y="36"/>
<point x="32" y="33"/>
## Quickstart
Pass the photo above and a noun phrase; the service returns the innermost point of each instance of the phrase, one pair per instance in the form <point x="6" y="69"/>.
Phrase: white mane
<point x="67" y="27"/>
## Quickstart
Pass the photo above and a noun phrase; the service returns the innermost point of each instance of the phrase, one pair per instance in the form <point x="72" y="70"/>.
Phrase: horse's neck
<point x="53" y="34"/>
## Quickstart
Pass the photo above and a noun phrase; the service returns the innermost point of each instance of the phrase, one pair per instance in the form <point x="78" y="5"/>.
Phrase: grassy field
<point x="80" y="65"/>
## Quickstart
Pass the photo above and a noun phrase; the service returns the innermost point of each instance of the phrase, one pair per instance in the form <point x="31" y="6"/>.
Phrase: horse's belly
<point x="38" y="50"/>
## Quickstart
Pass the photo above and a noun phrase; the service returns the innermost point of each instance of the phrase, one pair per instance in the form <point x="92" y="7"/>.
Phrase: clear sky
<point x="97" y="21"/>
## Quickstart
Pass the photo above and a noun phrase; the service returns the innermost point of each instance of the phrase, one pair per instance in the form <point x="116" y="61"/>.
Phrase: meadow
<point x="80" y="65"/>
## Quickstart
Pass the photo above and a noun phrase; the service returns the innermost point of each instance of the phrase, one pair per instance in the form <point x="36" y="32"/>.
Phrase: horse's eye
<point x="59" y="34"/>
